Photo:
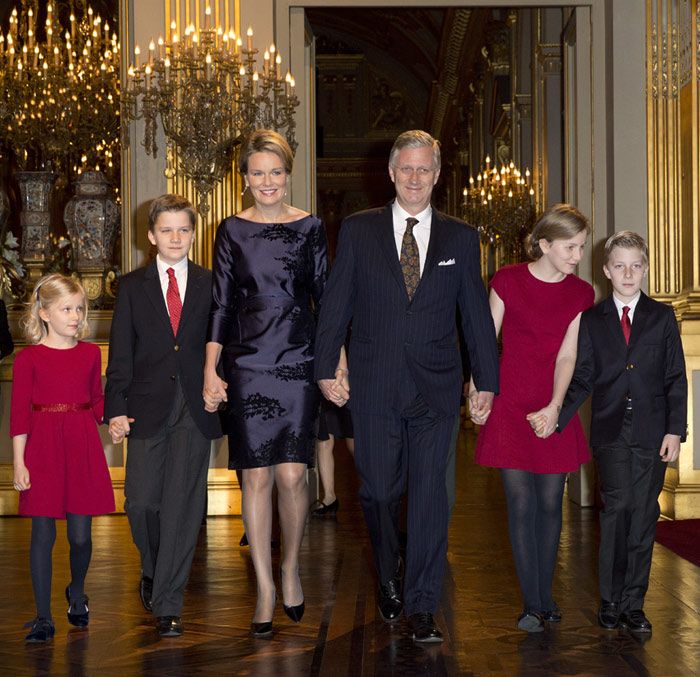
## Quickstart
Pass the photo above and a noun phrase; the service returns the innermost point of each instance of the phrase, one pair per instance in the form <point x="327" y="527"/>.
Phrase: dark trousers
<point x="631" y="479"/>
<point x="165" y="489"/>
<point x="406" y="451"/>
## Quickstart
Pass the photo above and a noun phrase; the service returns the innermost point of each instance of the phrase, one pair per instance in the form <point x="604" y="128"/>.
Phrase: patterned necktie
<point x="410" y="260"/>
<point x="174" y="301"/>
<point x="625" y="323"/>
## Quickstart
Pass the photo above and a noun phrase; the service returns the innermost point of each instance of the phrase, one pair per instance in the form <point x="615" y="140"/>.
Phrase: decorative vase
<point x="35" y="220"/>
<point x="92" y="219"/>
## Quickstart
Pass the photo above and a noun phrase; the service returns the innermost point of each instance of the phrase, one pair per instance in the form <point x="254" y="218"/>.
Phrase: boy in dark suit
<point x="154" y="395"/>
<point x="631" y="358"/>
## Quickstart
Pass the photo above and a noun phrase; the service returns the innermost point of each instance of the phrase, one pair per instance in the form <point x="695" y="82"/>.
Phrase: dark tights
<point x="534" y="525"/>
<point x="43" y="538"/>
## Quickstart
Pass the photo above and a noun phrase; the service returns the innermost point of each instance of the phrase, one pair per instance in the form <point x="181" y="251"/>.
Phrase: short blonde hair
<point x="47" y="291"/>
<point x="626" y="239"/>
<point x="265" y="141"/>
<point x="559" y="222"/>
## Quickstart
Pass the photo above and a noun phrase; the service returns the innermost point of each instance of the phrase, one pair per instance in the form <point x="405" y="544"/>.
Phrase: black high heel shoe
<point x="261" y="630"/>
<point x="80" y="620"/>
<point x="323" y="510"/>
<point x="296" y="613"/>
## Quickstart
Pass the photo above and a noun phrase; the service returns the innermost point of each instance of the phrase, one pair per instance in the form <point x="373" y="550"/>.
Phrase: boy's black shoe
<point x="635" y="621"/>
<point x="146" y="593"/>
<point x="608" y="615"/>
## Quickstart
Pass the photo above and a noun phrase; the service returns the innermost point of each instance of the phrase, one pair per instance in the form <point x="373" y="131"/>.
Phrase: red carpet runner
<point x="682" y="537"/>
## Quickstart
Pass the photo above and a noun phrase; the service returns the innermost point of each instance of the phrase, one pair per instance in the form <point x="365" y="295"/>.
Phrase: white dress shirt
<point x="631" y="304"/>
<point x="180" y="269"/>
<point x="421" y="230"/>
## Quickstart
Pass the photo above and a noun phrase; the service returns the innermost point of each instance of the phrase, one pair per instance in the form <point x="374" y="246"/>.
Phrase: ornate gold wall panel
<point x="673" y="168"/>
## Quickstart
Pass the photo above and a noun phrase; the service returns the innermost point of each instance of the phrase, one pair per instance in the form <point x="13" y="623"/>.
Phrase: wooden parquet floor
<point x="341" y="633"/>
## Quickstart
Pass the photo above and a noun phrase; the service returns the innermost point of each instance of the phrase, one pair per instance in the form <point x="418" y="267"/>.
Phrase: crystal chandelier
<point x="205" y="88"/>
<point x="59" y="96"/>
<point x="499" y="204"/>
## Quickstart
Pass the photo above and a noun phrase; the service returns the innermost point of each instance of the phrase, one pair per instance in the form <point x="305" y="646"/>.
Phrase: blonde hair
<point x="559" y="222"/>
<point x="626" y="239"/>
<point x="265" y="141"/>
<point x="47" y="291"/>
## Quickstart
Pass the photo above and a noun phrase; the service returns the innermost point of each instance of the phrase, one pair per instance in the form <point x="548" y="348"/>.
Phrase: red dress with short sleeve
<point x="57" y="402"/>
<point x="537" y="315"/>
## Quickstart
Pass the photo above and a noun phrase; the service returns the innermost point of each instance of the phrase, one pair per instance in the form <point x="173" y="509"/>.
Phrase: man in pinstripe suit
<point x="400" y="274"/>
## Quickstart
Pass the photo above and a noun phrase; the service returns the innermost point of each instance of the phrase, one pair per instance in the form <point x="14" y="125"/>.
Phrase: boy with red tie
<point x="630" y="358"/>
<point x="154" y="395"/>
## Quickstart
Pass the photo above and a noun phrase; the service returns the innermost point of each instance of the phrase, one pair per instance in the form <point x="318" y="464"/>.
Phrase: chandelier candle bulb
<point x="249" y="39"/>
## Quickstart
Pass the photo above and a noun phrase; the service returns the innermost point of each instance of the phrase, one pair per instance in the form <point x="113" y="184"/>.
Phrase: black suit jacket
<point x="389" y="332"/>
<point x="650" y="370"/>
<point x="145" y="359"/>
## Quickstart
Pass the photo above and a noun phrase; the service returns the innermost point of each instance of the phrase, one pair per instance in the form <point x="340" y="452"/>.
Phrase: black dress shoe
<point x="261" y="630"/>
<point x="635" y="621"/>
<point x="296" y="612"/>
<point x="146" y="593"/>
<point x="529" y="621"/>
<point x="78" y="612"/>
<point x="390" y="602"/>
<point x="323" y="510"/>
<point x="551" y="615"/>
<point x="169" y="626"/>
<point x="244" y="540"/>
<point x="42" y="630"/>
<point x="424" y="628"/>
<point x="608" y="615"/>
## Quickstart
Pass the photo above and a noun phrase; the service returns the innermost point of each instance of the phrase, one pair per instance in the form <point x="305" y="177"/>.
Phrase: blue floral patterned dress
<point x="268" y="280"/>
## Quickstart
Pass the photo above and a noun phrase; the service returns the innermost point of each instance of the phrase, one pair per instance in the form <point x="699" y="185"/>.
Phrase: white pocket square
<point x="447" y="262"/>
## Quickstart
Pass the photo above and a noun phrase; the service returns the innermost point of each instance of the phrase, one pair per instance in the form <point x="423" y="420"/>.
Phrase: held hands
<point x="544" y="421"/>
<point x="336" y="390"/>
<point x="119" y="428"/>
<point x="670" y="448"/>
<point x="21" y="478"/>
<point x="480" y="404"/>
<point x="214" y="392"/>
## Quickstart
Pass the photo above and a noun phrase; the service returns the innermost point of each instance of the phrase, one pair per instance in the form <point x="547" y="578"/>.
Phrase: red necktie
<point x="625" y="323"/>
<point x="174" y="301"/>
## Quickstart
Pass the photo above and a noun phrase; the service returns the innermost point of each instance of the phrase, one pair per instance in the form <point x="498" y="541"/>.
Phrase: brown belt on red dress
<point x="61" y="407"/>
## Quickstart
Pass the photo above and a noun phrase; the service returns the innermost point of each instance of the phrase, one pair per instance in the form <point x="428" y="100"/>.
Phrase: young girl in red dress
<point x="60" y="468"/>
<point x="536" y="307"/>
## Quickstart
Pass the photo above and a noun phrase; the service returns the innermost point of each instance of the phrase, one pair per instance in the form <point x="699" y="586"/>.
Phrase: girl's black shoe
<point x="42" y="630"/>
<point x="323" y="510"/>
<point x="79" y="619"/>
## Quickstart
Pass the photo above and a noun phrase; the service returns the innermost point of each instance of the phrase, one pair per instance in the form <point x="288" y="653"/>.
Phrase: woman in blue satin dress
<point x="270" y="266"/>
